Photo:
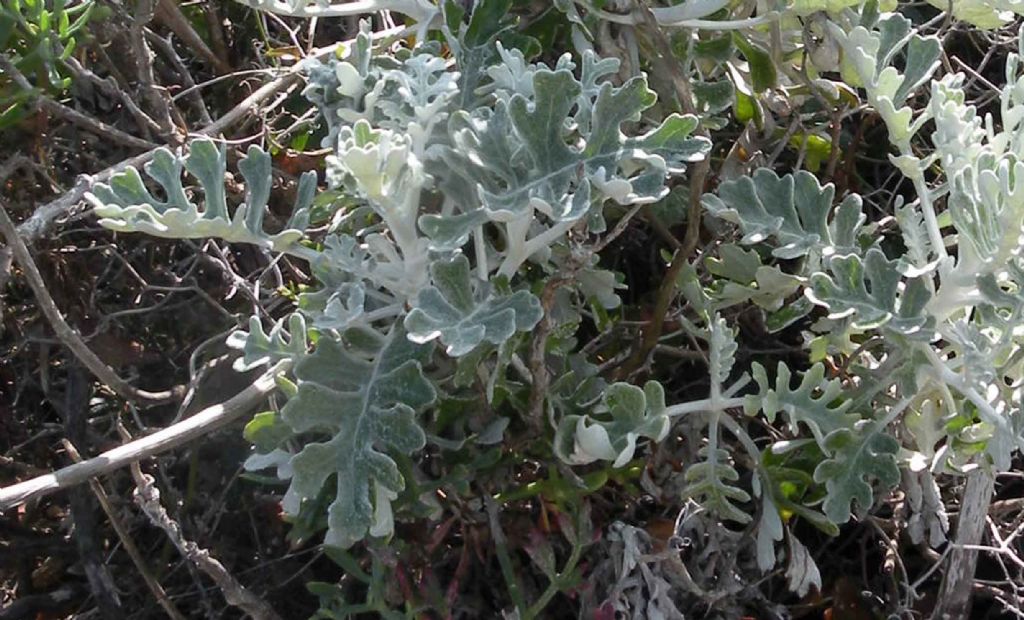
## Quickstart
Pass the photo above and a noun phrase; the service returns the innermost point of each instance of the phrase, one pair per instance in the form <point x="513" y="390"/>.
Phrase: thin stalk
<point x="707" y="404"/>
<point x="556" y="584"/>
<point x="504" y="559"/>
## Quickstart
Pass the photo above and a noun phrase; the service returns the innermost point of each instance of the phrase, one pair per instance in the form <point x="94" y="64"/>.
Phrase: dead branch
<point x="201" y="424"/>
<point x="147" y="497"/>
<point x="129" y="544"/>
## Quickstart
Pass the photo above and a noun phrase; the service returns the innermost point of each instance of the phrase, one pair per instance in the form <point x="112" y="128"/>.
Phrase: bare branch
<point x="201" y="424"/>
<point x="126" y="540"/>
<point x="147" y="497"/>
<point x="70" y="114"/>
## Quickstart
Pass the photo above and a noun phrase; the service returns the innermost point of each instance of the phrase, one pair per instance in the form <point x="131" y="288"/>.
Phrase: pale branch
<point x="201" y="424"/>
<point x="954" y="599"/>
<point x="165" y="48"/>
<point x="153" y="96"/>
<point x="126" y="540"/>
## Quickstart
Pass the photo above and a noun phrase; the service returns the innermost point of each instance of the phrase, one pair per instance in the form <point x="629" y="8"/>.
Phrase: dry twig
<point x="65" y="332"/>
<point x="147" y="497"/>
<point x="126" y="539"/>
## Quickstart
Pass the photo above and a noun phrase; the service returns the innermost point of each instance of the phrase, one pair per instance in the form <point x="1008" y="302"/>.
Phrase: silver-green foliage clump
<point x="465" y="188"/>
<point x="475" y="187"/>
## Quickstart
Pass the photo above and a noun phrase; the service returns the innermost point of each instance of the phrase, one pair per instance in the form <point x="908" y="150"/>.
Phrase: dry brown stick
<point x="168" y="14"/>
<point x="110" y="86"/>
<point x="215" y="28"/>
<point x="70" y="114"/>
<point x="6" y="257"/>
<point x="538" y="349"/>
<point x="164" y="47"/>
<point x="147" y="497"/>
<point x="126" y="539"/>
<point x="202" y="423"/>
<point x="93" y="125"/>
<point x="67" y="335"/>
<point x="670" y="281"/>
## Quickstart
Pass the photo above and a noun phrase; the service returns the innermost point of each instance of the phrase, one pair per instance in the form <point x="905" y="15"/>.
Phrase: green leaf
<point x="451" y="311"/>
<point x="859" y="454"/>
<point x="984" y="14"/>
<point x="762" y="70"/>
<point x="266" y="431"/>
<point x="794" y="210"/>
<point x="610" y="433"/>
<point x="473" y="43"/>
<point x="742" y="278"/>
<point x="366" y="400"/>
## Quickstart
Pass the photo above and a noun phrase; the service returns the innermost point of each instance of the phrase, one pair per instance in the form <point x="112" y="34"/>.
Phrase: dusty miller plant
<point x="475" y="186"/>
<point x="466" y="183"/>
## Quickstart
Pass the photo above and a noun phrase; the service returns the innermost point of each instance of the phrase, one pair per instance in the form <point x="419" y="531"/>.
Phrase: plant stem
<point x="954" y="600"/>
<point x="557" y="584"/>
<point x="504" y="560"/>
<point x="707" y="404"/>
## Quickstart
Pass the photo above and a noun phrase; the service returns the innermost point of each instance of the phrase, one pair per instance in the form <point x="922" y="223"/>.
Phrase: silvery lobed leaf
<point x="868" y="59"/>
<point x="610" y="433"/>
<point x="793" y="210"/>
<point x="723" y="349"/>
<point x="365" y="399"/>
<point x="928" y="522"/>
<point x="126" y="205"/>
<point x="523" y="154"/>
<point x="260" y="348"/>
<point x="812" y="403"/>
<point x="858" y="455"/>
<point x="769" y="531"/>
<point x="710" y="482"/>
<point x="451" y="311"/>
<point x="475" y="42"/>
<point x="871" y="290"/>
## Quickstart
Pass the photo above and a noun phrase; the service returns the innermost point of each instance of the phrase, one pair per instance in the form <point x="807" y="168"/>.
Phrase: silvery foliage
<point x="467" y="190"/>
<point x="936" y="386"/>
<point x="459" y="178"/>
<point x="127" y="205"/>
<point x="944" y="394"/>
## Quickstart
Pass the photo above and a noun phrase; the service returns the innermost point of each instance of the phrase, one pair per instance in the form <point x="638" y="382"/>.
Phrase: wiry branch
<point x="147" y="497"/>
<point x="65" y="332"/>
